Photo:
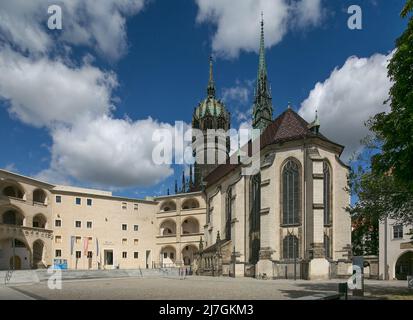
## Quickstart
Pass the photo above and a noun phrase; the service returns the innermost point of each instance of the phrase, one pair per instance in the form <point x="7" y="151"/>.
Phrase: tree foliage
<point x="395" y="128"/>
<point x="382" y="175"/>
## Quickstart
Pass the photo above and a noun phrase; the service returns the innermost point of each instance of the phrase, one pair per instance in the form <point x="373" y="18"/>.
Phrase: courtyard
<point x="196" y="288"/>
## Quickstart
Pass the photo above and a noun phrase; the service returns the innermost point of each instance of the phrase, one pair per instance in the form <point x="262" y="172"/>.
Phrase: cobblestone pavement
<point x="199" y="288"/>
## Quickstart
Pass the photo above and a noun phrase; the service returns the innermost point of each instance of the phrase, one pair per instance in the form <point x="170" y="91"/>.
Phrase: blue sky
<point x="163" y="74"/>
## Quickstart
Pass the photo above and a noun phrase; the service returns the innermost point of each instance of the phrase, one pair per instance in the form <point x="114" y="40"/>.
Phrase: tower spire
<point x="211" y="83"/>
<point x="262" y="110"/>
<point x="262" y="69"/>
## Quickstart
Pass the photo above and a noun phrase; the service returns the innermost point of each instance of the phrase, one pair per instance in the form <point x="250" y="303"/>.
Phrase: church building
<point x="288" y="220"/>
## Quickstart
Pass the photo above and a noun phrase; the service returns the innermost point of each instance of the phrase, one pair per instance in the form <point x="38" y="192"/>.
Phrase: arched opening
<point x="168" y="206"/>
<point x="15" y="255"/>
<point x="404" y="266"/>
<point x="38" y="255"/>
<point x="39" y="196"/>
<point x="168" y="228"/>
<point x="168" y="256"/>
<point x="39" y="221"/>
<point x="291" y="197"/>
<point x="190" y="226"/>
<point x="190" y="204"/>
<point x="188" y="253"/>
<point x="12" y="217"/>
<point x="13" y="191"/>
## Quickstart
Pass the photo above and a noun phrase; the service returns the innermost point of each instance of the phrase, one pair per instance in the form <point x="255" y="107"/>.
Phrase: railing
<point x="26" y="231"/>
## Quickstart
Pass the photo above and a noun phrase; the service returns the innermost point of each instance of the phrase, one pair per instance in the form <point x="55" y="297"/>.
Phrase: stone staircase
<point x="35" y="276"/>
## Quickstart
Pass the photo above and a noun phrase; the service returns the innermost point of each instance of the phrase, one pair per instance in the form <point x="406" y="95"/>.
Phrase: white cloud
<point x="239" y="93"/>
<point x="307" y="12"/>
<point x="42" y="92"/>
<point x="107" y="152"/>
<point x="75" y="101"/>
<point x="237" y="22"/>
<point x="348" y="98"/>
<point x="75" y="104"/>
<point x="98" y="24"/>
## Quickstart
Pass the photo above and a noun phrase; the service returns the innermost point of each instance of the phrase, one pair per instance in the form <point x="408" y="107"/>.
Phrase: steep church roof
<point x="289" y="126"/>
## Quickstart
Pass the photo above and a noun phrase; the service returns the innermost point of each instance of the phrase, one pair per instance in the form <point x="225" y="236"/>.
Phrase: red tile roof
<point x="288" y="126"/>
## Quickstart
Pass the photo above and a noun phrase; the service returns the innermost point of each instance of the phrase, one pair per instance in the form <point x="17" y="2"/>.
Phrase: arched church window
<point x="291" y="193"/>
<point x="255" y="215"/>
<point x="208" y="123"/>
<point x="327" y="193"/>
<point x="290" y="247"/>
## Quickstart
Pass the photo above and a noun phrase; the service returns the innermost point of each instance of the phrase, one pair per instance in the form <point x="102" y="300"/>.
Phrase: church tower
<point x="262" y="108"/>
<point x="210" y="114"/>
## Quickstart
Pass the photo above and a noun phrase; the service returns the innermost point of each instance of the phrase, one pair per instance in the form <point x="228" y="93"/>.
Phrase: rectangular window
<point x="89" y="240"/>
<point x="135" y="207"/>
<point x="58" y="239"/>
<point x="58" y="199"/>
<point x="124" y="205"/>
<point x="89" y="254"/>
<point x="78" y="254"/>
<point x="124" y="254"/>
<point x="89" y="202"/>
<point x="58" y="253"/>
<point x="78" y="240"/>
<point x="89" y="224"/>
<point x="136" y="242"/>
<point x="165" y="255"/>
<point x="124" y="227"/>
<point x="398" y="232"/>
<point x="78" y="201"/>
<point x="136" y="255"/>
<point x="124" y="242"/>
<point x="58" y="223"/>
<point x="78" y="224"/>
<point x="136" y="227"/>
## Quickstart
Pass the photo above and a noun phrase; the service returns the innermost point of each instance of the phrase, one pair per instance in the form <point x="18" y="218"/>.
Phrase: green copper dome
<point x="210" y="107"/>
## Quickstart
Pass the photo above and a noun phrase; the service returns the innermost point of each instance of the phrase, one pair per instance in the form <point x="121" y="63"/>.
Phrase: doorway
<point x="148" y="258"/>
<point x="404" y="266"/>
<point x="15" y="263"/>
<point x="108" y="257"/>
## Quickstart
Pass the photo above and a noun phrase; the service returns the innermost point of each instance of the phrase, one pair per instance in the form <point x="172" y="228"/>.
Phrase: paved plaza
<point x="196" y="288"/>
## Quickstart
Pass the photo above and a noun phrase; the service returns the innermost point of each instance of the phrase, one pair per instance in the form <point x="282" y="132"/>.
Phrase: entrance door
<point x="108" y="257"/>
<point x="404" y="266"/>
<point x="148" y="258"/>
<point x="15" y="263"/>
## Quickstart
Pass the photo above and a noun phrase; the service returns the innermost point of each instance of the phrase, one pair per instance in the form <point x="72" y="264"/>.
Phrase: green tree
<point x="395" y="129"/>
